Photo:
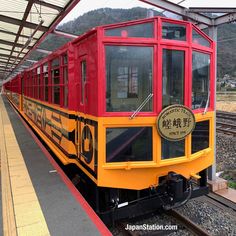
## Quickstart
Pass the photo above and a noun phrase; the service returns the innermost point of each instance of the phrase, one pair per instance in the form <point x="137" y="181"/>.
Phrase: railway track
<point x="194" y="228"/>
<point x="226" y="115"/>
<point x="214" y="199"/>
<point x="182" y="222"/>
<point x="223" y="126"/>
<point x="226" y="128"/>
<point x="220" y="201"/>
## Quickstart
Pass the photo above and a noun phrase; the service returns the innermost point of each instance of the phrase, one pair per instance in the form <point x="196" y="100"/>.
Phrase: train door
<point x="85" y="128"/>
<point x="83" y="142"/>
<point x="83" y="102"/>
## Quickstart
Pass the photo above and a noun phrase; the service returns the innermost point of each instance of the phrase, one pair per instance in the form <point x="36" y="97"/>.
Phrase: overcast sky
<point x="87" y="5"/>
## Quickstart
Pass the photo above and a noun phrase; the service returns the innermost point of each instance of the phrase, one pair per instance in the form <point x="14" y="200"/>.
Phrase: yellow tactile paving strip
<point x="22" y="214"/>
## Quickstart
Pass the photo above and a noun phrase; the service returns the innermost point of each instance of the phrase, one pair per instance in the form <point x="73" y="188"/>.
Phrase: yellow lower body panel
<point x="144" y="174"/>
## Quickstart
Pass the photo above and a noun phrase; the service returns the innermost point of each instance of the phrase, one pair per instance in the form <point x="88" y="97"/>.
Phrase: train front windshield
<point x="129" y="78"/>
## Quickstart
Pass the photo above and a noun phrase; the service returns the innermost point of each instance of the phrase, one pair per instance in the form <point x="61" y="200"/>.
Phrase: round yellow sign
<point x="175" y="122"/>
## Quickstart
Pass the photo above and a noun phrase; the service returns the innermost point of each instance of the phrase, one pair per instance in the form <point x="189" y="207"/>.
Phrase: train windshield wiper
<point x="141" y="105"/>
<point x="207" y="103"/>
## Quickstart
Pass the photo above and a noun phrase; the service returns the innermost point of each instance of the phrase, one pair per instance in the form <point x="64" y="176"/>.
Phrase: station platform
<point x="37" y="198"/>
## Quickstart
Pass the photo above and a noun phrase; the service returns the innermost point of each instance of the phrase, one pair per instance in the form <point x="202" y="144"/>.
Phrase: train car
<point x="132" y="106"/>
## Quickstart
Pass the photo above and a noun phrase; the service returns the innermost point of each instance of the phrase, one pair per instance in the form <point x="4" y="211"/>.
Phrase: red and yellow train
<point x="97" y="101"/>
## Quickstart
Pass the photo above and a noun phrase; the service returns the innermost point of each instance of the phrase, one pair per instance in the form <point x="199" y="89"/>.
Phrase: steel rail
<point x="226" y="115"/>
<point x="220" y="200"/>
<point x="188" y="224"/>
<point x="226" y="128"/>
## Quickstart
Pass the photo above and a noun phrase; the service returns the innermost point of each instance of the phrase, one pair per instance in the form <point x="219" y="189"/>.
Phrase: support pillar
<point x="212" y="169"/>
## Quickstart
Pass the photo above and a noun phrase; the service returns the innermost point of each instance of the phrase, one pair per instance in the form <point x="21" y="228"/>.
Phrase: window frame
<point x="106" y="29"/>
<point x="175" y="42"/>
<point x="197" y="110"/>
<point x="186" y="96"/>
<point x="183" y="24"/>
<point x="64" y="85"/>
<point x="154" y="81"/>
<point x="206" y="37"/>
<point x="46" y="65"/>
<point x="52" y="84"/>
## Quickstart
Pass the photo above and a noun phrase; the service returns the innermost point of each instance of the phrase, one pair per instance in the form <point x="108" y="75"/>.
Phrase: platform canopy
<point x="23" y="25"/>
<point x="202" y="12"/>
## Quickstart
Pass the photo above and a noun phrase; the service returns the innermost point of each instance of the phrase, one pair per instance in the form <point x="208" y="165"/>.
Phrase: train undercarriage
<point x="116" y="204"/>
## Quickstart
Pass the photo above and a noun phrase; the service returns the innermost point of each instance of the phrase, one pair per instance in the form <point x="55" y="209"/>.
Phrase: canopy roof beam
<point x="27" y="24"/>
<point x="179" y="10"/>
<point x="193" y="13"/>
<point x="227" y="18"/>
<point x="14" y="34"/>
<point x="212" y="9"/>
<point x="4" y="64"/>
<point x="9" y="50"/>
<point x="8" y="56"/>
<point x="11" y="44"/>
<point x="2" y="67"/>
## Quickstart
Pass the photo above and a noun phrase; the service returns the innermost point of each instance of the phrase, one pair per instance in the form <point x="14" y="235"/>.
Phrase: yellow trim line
<point x="22" y="214"/>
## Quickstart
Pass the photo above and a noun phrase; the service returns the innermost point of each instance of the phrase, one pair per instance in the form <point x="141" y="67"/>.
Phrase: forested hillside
<point x="226" y="50"/>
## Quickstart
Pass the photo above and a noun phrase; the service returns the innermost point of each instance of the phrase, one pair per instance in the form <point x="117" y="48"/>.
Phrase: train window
<point x="200" y="136"/>
<point x="35" y="83"/>
<point x="65" y="60"/>
<point x="41" y="85"/>
<point x="27" y="83"/>
<point x="199" y="39"/>
<point x="56" y="76"/>
<point x="55" y="72"/>
<point x="172" y="77"/>
<point x="65" y="87"/>
<point x="129" y="144"/>
<point x="172" y="149"/>
<point x="65" y="80"/>
<point x="38" y="82"/>
<point x="56" y="95"/>
<point x="24" y="84"/>
<point x="83" y="79"/>
<point x="45" y="76"/>
<point x="55" y="62"/>
<point x="128" y="78"/>
<point x="173" y="31"/>
<point x="200" y="80"/>
<point x="31" y="88"/>
<point x="138" y="31"/>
